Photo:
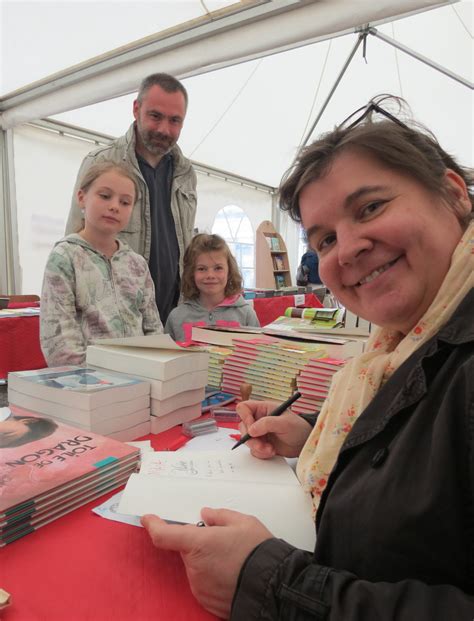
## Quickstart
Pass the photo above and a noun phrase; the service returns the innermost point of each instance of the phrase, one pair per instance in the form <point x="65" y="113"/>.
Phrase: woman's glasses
<point x="359" y="115"/>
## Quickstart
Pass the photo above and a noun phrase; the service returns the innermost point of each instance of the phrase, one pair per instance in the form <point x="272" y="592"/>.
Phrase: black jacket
<point x="396" y="522"/>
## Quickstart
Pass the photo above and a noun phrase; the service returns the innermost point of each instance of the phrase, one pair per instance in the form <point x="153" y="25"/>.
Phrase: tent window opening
<point x="234" y="226"/>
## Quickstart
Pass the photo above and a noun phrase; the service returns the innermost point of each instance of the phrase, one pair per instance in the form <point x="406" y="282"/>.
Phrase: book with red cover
<point x="19" y="525"/>
<point x="307" y="406"/>
<point x="316" y="381"/>
<point x="268" y="364"/>
<point x="329" y="364"/>
<point x="50" y="457"/>
<point x="307" y="389"/>
<point x="238" y="367"/>
<point x="320" y="371"/>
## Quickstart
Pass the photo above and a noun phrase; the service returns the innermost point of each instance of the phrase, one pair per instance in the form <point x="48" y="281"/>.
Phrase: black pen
<point x="276" y="412"/>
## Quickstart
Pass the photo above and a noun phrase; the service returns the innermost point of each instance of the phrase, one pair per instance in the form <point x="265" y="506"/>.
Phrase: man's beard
<point x="156" y="142"/>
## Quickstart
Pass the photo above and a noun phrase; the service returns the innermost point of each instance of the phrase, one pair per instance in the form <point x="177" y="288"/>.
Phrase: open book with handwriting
<point x="176" y="486"/>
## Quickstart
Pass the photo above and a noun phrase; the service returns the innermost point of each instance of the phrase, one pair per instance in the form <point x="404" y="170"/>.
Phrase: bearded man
<point x="162" y="222"/>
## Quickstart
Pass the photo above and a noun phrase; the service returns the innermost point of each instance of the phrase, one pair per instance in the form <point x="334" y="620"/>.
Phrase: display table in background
<point x="268" y="309"/>
<point x="19" y="344"/>
<point x="82" y="567"/>
<point x="19" y="336"/>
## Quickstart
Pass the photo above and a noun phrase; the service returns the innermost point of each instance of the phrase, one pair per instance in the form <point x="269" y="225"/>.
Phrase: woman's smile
<point x="376" y="273"/>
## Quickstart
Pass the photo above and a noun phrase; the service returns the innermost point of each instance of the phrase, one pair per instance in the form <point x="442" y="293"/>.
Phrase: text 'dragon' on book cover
<point x="39" y="455"/>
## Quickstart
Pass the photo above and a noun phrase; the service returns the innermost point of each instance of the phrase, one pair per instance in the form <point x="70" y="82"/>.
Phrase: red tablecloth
<point x="82" y="567"/>
<point x="268" y="309"/>
<point x="19" y="345"/>
<point x="23" y="305"/>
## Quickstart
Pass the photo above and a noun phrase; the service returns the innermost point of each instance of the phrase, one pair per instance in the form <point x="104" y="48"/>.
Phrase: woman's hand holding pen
<point x="213" y="557"/>
<point x="272" y="435"/>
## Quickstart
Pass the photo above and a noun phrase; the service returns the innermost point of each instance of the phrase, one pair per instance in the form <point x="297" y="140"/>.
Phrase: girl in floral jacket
<point x="94" y="285"/>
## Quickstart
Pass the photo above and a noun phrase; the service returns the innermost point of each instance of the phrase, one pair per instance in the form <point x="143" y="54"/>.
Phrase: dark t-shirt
<point x="164" y="250"/>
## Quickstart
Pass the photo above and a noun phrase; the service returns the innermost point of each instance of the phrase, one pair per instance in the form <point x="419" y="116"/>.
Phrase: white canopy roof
<point x="244" y="117"/>
<point x="258" y="74"/>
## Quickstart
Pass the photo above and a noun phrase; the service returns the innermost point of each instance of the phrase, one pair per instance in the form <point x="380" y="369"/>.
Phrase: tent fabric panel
<point x="250" y="118"/>
<point x="85" y="30"/>
<point x="259" y="135"/>
<point x="215" y="193"/>
<point x="282" y="25"/>
<point x="44" y="196"/>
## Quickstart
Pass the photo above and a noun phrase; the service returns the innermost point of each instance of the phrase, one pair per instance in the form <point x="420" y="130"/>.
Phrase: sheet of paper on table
<point x="176" y="486"/>
<point x="144" y="446"/>
<point x="109" y="510"/>
<point x="220" y="440"/>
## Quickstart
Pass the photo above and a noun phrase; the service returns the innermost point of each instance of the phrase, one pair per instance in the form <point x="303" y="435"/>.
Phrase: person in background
<point x="211" y="289"/>
<point x="389" y="463"/>
<point x="162" y="223"/>
<point x="308" y="272"/>
<point x="95" y="286"/>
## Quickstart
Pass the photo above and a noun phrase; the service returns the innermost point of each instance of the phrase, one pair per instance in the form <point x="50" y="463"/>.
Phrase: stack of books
<point x="251" y="294"/>
<point x="48" y="469"/>
<point x="219" y="342"/>
<point x="177" y="376"/>
<point x="217" y="357"/>
<point x="171" y="405"/>
<point x="270" y="365"/>
<point x="113" y="405"/>
<point x="316" y="317"/>
<point x="339" y="342"/>
<point x="313" y="383"/>
<point x="219" y="335"/>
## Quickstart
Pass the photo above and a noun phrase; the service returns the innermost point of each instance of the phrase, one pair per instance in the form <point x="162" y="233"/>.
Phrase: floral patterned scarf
<point x="354" y="386"/>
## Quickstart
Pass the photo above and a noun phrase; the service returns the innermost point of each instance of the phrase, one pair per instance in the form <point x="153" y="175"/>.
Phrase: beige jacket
<point x="138" y="232"/>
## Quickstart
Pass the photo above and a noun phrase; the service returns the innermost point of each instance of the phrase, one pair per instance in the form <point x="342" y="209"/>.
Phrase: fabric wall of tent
<point x="263" y="78"/>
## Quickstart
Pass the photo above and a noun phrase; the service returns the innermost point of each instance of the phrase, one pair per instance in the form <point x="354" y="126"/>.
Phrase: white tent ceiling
<point x="257" y="72"/>
<point x="248" y="118"/>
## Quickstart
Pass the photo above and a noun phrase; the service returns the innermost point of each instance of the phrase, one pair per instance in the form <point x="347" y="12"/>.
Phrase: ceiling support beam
<point x="360" y="38"/>
<point x="421" y="58"/>
<point x="206" y="44"/>
<point x="9" y="257"/>
<point x="58" y="127"/>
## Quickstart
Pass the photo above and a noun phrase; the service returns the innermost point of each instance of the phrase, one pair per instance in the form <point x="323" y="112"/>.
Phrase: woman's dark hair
<point x="412" y="150"/>
<point x="37" y="428"/>
<point x="201" y="244"/>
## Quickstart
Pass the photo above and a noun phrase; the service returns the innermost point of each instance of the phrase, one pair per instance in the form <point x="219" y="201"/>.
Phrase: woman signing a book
<point x="389" y="462"/>
<point x="94" y="285"/>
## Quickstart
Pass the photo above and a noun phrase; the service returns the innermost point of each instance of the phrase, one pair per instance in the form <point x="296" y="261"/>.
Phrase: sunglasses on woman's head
<point x="361" y="113"/>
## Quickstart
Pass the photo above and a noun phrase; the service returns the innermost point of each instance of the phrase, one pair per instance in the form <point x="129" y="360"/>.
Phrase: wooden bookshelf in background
<point x="271" y="258"/>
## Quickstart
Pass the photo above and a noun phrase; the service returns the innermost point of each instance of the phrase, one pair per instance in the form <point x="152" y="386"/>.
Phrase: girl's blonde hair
<point x="96" y="170"/>
<point x="201" y="244"/>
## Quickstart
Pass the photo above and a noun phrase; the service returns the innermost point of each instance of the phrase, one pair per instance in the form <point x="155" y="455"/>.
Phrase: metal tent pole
<point x="421" y="58"/>
<point x="9" y="259"/>
<point x="362" y="36"/>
